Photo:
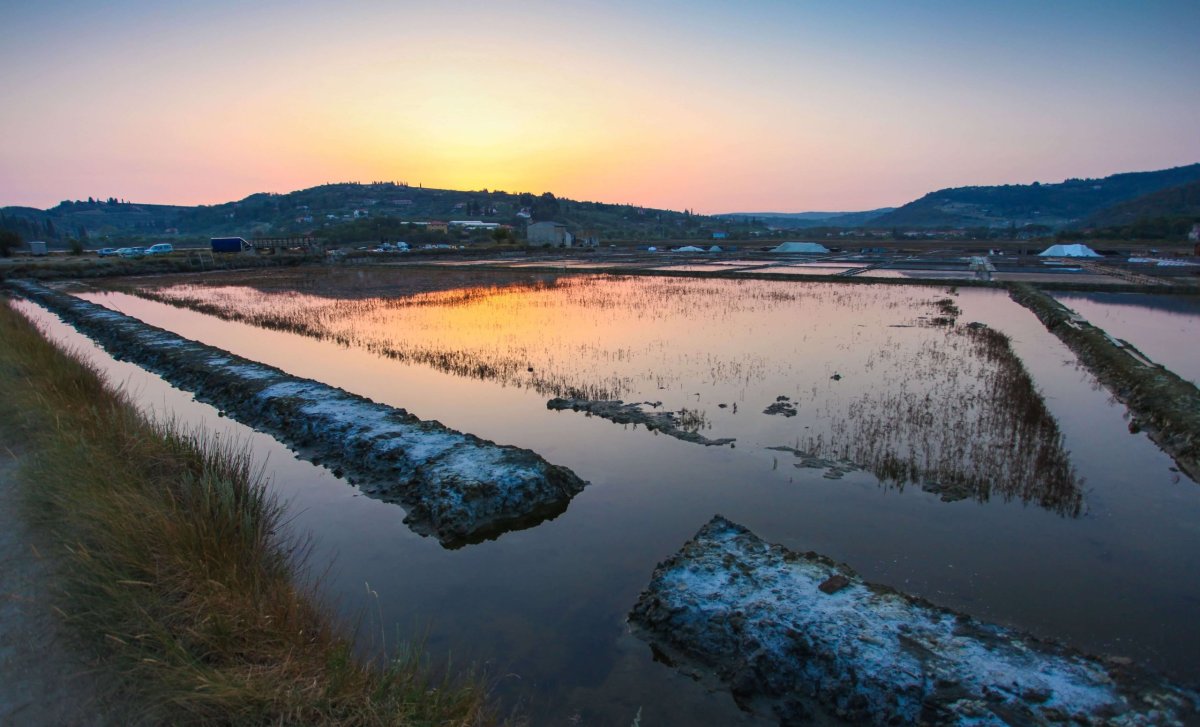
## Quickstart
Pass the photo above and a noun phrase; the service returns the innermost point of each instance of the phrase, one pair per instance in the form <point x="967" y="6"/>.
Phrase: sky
<point x="709" y="105"/>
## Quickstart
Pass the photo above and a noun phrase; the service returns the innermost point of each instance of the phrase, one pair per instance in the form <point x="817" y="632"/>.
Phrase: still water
<point x="1164" y="327"/>
<point x="945" y="499"/>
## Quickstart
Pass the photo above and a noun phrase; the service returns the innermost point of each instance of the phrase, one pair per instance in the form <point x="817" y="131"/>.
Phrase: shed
<point x="811" y="248"/>
<point x="548" y="233"/>
<point x="1074" y="250"/>
<point x="37" y="247"/>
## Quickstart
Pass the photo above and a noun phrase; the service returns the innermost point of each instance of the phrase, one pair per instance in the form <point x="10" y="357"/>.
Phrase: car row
<point x="161" y="248"/>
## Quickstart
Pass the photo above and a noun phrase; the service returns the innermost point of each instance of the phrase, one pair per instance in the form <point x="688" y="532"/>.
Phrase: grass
<point x="174" y="571"/>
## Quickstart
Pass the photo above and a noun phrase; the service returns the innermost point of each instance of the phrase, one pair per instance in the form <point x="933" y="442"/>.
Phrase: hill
<point x="807" y="220"/>
<point x="1181" y="202"/>
<point x="1016" y="205"/>
<point x="356" y="207"/>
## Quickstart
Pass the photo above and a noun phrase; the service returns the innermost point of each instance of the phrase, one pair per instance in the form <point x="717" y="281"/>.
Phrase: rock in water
<point x="770" y="625"/>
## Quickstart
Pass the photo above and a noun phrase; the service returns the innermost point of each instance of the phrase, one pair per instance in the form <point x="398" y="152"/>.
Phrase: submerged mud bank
<point x="680" y="425"/>
<point x="454" y="486"/>
<point x="805" y="637"/>
<point x="1160" y="402"/>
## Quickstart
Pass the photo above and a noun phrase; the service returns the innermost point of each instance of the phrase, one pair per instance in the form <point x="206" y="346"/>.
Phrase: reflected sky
<point x="871" y="376"/>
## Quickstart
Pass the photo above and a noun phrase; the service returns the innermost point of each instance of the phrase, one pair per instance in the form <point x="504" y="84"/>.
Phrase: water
<point x="1164" y="327"/>
<point x="1103" y="559"/>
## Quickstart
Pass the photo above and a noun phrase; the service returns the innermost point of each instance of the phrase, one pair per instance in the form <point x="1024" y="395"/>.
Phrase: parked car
<point x="106" y="251"/>
<point x="131" y="251"/>
<point x="161" y="248"/>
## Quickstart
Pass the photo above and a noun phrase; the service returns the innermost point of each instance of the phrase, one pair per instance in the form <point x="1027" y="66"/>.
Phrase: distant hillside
<point x="1052" y="205"/>
<point x="1182" y="201"/>
<point x="808" y="220"/>
<point x="310" y="211"/>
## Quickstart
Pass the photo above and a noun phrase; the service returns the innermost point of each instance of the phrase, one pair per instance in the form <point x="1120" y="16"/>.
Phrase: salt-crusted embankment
<point x="455" y="486"/>
<point x="805" y="636"/>
<point x="669" y="423"/>
<point x="1159" y="401"/>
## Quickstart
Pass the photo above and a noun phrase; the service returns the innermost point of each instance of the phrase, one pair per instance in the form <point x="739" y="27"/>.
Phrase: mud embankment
<point x="454" y="486"/>
<point x="670" y="423"/>
<point x="1160" y="402"/>
<point x="807" y="638"/>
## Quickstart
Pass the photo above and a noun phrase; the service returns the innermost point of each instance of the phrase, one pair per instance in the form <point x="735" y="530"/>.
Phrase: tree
<point x="9" y="240"/>
<point x="545" y="207"/>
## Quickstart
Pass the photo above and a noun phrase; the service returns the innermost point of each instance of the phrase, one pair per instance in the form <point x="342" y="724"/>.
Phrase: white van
<point x="161" y="248"/>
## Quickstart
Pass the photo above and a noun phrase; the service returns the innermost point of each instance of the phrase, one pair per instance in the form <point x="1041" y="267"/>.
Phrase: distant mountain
<point x="314" y="210"/>
<point x="1182" y="201"/>
<point x="1052" y="205"/>
<point x="804" y="220"/>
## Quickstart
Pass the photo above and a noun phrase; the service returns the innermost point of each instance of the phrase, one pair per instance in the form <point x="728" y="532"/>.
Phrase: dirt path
<point x="42" y="682"/>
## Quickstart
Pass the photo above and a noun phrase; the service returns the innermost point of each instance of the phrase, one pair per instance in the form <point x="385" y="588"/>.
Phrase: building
<point x="1194" y="235"/>
<point x="37" y="247"/>
<point x="719" y="235"/>
<point x="549" y="233"/>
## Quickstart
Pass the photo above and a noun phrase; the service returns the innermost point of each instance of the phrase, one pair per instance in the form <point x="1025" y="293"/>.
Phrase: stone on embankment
<point x="455" y="486"/>
<point x="802" y="636"/>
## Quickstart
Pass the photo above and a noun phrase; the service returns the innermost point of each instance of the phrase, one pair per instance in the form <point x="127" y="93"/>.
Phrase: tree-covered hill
<point x="310" y="211"/>
<point x="1016" y="205"/>
<point x="808" y="220"/>
<point x="1182" y="201"/>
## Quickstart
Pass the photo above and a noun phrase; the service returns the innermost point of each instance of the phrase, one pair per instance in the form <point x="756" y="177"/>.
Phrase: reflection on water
<point x="967" y="423"/>
<point x="1164" y="327"/>
<point x="879" y="375"/>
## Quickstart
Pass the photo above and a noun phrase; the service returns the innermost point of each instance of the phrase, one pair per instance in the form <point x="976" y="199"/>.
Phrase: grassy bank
<point x="174" y="572"/>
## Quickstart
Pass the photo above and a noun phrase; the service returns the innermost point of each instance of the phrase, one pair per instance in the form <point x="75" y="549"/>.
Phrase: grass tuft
<point x="174" y="569"/>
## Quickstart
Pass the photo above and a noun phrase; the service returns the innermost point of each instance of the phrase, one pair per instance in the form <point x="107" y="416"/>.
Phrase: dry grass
<point x="175" y="572"/>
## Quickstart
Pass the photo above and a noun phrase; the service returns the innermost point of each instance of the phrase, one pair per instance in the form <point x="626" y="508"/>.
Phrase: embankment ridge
<point x="804" y="636"/>
<point x="455" y="486"/>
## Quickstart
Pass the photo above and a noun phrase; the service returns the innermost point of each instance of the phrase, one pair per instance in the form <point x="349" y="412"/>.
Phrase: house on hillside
<point x="549" y="233"/>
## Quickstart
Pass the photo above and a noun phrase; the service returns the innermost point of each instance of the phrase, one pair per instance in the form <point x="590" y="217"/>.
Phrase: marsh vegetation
<point x="925" y="399"/>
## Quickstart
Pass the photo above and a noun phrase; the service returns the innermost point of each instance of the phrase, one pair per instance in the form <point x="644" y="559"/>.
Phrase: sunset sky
<point x="712" y="105"/>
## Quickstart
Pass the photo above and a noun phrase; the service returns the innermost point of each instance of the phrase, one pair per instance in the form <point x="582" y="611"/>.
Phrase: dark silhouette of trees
<point x="9" y="241"/>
